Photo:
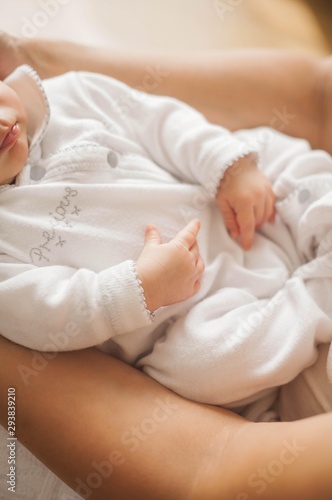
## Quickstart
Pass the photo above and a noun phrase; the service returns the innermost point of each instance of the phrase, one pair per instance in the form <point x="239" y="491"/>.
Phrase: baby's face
<point x="13" y="135"/>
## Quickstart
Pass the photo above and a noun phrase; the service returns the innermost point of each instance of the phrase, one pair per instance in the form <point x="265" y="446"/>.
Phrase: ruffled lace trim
<point x="4" y="187"/>
<point x="151" y="315"/>
<point x="34" y="75"/>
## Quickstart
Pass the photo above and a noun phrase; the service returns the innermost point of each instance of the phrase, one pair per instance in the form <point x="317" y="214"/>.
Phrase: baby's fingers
<point x="273" y="216"/>
<point x="272" y="212"/>
<point x="200" y="266"/>
<point x="230" y="220"/>
<point x="247" y="222"/>
<point x="188" y="235"/>
<point x="268" y="210"/>
<point x="197" y="258"/>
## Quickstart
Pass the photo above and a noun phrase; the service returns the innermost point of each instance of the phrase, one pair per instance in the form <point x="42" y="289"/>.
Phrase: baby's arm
<point x="175" y="136"/>
<point x="170" y="272"/>
<point x="61" y="308"/>
<point x="246" y="199"/>
<point x="180" y="140"/>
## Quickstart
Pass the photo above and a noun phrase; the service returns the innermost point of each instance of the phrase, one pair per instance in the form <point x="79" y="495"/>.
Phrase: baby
<point x="214" y="322"/>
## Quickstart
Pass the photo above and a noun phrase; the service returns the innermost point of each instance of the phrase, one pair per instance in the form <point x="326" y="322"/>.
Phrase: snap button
<point x="304" y="195"/>
<point x="37" y="172"/>
<point x="112" y="159"/>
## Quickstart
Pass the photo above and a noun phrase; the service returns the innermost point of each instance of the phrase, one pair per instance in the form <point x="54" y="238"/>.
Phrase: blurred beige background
<point x="173" y="24"/>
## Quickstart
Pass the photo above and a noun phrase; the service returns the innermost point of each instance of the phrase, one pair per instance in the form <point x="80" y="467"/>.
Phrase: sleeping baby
<point x="130" y="223"/>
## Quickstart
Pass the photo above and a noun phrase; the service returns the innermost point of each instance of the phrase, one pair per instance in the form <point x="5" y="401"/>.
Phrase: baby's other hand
<point x="246" y="199"/>
<point x="170" y="271"/>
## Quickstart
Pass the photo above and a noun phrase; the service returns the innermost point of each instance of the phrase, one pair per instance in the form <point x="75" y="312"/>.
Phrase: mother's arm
<point x="84" y="412"/>
<point x="289" y="91"/>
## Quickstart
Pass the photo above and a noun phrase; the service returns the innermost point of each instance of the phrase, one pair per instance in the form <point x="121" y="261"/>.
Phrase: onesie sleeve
<point x="59" y="308"/>
<point x="176" y="136"/>
<point x="184" y="143"/>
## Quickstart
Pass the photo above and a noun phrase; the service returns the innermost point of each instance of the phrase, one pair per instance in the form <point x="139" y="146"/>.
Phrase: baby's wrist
<point x="150" y="293"/>
<point x="151" y="303"/>
<point x="238" y="167"/>
<point x="250" y="159"/>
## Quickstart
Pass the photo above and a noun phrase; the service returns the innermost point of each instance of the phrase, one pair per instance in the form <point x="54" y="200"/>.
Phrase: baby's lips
<point x="10" y="138"/>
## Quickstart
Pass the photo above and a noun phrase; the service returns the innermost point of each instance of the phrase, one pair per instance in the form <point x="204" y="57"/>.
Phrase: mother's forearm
<point x="237" y="88"/>
<point x="111" y="432"/>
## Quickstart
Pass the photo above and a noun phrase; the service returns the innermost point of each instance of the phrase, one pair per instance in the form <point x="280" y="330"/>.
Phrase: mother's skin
<point x="84" y="406"/>
<point x="238" y="89"/>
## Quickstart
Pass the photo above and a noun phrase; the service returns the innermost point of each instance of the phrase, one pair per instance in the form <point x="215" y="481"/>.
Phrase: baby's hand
<point x="170" y="271"/>
<point x="246" y="199"/>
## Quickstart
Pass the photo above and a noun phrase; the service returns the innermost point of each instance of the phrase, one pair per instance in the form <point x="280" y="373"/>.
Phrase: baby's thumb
<point x="152" y="236"/>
